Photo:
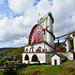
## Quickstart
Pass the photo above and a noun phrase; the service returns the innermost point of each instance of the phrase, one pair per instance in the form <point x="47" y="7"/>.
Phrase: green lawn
<point x="1" y="73"/>
<point x="67" y="68"/>
<point x="41" y="70"/>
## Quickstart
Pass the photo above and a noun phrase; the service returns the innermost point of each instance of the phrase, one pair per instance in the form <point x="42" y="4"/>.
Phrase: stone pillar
<point x="67" y="45"/>
<point x="49" y="37"/>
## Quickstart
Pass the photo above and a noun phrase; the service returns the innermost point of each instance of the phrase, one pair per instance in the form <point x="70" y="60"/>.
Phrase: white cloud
<point x="19" y="6"/>
<point x="62" y="10"/>
<point x="18" y="28"/>
<point x="19" y="42"/>
<point x="12" y="29"/>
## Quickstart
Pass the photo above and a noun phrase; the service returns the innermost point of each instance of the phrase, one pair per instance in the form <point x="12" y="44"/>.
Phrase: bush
<point x="7" y="58"/>
<point x="18" y="56"/>
<point x="10" y="71"/>
<point x="21" y="65"/>
<point x="2" y="60"/>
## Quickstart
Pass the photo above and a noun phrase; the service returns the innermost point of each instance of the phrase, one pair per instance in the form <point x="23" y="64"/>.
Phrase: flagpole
<point x="50" y="6"/>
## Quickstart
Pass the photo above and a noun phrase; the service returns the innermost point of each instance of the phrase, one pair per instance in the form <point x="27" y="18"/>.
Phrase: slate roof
<point x="61" y="55"/>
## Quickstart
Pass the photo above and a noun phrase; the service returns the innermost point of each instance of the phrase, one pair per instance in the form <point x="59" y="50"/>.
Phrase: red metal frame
<point x="36" y="34"/>
<point x="58" y="49"/>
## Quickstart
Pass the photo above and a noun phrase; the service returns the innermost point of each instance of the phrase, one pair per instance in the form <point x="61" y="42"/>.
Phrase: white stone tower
<point x="47" y="23"/>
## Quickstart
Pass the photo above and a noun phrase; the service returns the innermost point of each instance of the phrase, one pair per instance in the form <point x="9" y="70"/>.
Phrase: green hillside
<point x="10" y="54"/>
<point x="10" y="51"/>
<point x="67" y="68"/>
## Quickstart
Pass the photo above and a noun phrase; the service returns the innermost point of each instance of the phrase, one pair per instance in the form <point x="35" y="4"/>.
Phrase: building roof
<point x="34" y="43"/>
<point x="61" y="55"/>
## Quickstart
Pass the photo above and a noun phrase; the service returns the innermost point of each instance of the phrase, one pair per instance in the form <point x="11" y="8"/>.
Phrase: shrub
<point x="10" y="71"/>
<point x="2" y="60"/>
<point x="7" y="58"/>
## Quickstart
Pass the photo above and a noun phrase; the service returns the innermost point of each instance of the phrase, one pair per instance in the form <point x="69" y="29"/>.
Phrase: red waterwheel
<point x="37" y="34"/>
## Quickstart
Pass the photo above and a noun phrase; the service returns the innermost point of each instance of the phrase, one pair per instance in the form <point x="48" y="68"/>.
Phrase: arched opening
<point x="26" y="57"/>
<point x="74" y="55"/>
<point x="39" y="49"/>
<point x="63" y="49"/>
<point x="26" y="50"/>
<point x="71" y="44"/>
<point x="31" y="49"/>
<point x="34" y="58"/>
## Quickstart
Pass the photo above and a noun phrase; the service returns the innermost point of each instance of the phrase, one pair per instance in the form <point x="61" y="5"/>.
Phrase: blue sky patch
<point x="50" y="0"/>
<point x="6" y="11"/>
<point x="36" y="2"/>
<point x="70" y="16"/>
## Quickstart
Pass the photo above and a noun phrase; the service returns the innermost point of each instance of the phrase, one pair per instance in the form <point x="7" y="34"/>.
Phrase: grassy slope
<point x="1" y="73"/>
<point x="41" y="70"/>
<point x="67" y="68"/>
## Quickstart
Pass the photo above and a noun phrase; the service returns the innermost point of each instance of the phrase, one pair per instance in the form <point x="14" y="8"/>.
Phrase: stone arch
<point x="71" y="43"/>
<point x="26" y="57"/>
<point x="31" y="49"/>
<point x="34" y="58"/>
<point x="39" y="49"/>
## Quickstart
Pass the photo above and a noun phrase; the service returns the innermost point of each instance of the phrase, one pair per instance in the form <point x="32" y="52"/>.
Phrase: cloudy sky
<point x="17" y="17"/>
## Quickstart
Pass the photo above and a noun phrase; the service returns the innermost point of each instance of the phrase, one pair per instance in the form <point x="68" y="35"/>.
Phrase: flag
<point x="39" y="14"/>
<point x="51" y="4"/>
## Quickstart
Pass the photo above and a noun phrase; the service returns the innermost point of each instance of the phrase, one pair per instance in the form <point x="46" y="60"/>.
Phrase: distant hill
<point x="12" y="48"/>
<point x="11" y="51"/>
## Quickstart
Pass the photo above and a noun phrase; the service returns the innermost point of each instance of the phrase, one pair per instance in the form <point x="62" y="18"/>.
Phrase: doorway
<point x="55" y="62"/>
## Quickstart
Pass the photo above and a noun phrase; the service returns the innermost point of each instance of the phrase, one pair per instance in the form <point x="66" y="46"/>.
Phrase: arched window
<point x="34" y="58"/>
<point x="26" y="50"/>
<point x="39" y="49"/>
<point x="26" y="57"/>
<point x="71" y="44"/>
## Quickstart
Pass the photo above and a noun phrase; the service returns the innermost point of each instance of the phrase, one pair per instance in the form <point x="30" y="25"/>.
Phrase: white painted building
<point x="71" y="37"/>
<point x="40" y="46"/>
<point x="57" y="59"/>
